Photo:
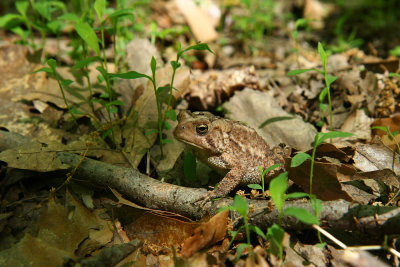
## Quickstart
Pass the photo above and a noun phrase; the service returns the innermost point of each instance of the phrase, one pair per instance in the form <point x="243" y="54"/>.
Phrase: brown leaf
<point x="325" y="181"/>
<point x="206" y="234"/>
<point x="35" y="156"/>
<point x="372" y="157"/>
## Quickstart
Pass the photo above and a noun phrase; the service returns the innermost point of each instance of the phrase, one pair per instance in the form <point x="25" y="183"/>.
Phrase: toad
<point x="230" y="147"/>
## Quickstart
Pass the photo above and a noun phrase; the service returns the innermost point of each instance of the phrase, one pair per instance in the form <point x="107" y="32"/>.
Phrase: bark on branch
<point x="154" y="194"/>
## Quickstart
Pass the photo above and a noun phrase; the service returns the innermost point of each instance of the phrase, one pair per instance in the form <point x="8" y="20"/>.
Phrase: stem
<point x="262" y="185"/>
<point x="246" y="226"/>
<point x="65" y="99"/>
<point x="88" y="78"/>
<point x="160" y="122"/>
<point x="312" y="167"/>
<point x="171" y="87"/>
<point x="115" y="46"/>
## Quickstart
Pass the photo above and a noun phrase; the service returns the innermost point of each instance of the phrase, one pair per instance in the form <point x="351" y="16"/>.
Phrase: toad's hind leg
<point x="227" y="184"/>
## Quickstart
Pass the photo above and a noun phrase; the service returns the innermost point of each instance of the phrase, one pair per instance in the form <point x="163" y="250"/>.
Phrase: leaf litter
<point x="80" y="223"/>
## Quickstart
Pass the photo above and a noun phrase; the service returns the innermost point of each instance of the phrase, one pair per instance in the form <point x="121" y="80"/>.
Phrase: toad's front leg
<point x="227" y="184"/>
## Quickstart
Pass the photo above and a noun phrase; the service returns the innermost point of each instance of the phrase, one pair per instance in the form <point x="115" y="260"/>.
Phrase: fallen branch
<point x="154" y="194"/>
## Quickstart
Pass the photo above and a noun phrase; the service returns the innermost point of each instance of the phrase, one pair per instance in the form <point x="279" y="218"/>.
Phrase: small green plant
<point x="392" y="137"/>
<point x="328" y="81"/>
<point x="169" y="112"/>
<point x="40" y="18"/>
<point x="240" y="206"/>
<point x="263" y="172"/>
<point x="62" y="83"/>
<point x="255" y="22"/>
<point x="298" y="159"/>
<point x="277" y="190"/>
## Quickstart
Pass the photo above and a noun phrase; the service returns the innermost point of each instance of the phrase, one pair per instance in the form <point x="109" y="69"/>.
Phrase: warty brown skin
<point x="228" y="146"/>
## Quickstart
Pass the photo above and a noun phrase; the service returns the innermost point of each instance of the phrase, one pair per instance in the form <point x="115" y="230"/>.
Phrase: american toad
<point x="228" y="146"/>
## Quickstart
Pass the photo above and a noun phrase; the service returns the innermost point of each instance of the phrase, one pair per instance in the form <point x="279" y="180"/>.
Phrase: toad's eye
<point x="202" y="129"/>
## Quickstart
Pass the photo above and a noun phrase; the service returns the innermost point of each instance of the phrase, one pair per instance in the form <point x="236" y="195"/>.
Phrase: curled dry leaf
<point x="206" y="234"/>
<point x="210" y="89"/>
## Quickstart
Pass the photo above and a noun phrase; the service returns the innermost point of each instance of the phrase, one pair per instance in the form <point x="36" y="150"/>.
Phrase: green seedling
<point x="392" y="137"/>
<point x="169" y="113"/>
<point x="263" y="172"/>
<point x="298" y="159"/>
<point x="277" y="190"/>
<point x="240" y="206"/>
<point x="328" y="81"/>
<point x="255" y="22"/>
<point x="275" y="119"/>
<point x="40" y="19"/>
<point x="51" y="70"/>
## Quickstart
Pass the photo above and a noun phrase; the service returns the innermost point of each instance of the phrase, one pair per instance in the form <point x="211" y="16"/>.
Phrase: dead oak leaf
<point x="325" y="182"/>
<point x="206" y="234"/>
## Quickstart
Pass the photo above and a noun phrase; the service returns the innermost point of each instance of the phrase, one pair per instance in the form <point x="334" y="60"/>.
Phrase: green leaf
<point x="382" y="128"/>
<point x="46" y="8"/>
<point x="18" y="30"/>
<point x="275" y="235"/>
<point x="130" y="75"/>
<point x="277" y="189"/>
<point x="275" y="119"/>
<point x="323" y="107"/>
<point x="75" y="111"/>
<point x="316" y="204"/>
<point x="394" y="133"/>
<point x="116" y="103"/>
<point x="22" y="7"/>
<point x="54" y="26"/>
<point x="88" y="35"/>
<point x="272" y="167"/>
<point x="100" y="6"/>
<point x="239" y="250"/>
<point x="330" y="80"/>
<point x="52" y="63"/>
<point x="302" y="215"/>
<point x="298" y="159"/>
<point x="44" y="69"/>
<point x="148" y="132"/>
<point x="153" y="65"/>
<point x="322" y="54"/>
<point x="255" y="186"/>
<point x="201" y="46"/>
<point x="391" y="74"/>
<point x="113" y="109"/>
<point x="189" y="167"/>
<point x="296" y="195"/>
<point x="301" y="23"/>
<point x="321" y="137"/>
<point x="8" y="18"/>
<point x="69" y="17"/>
<point x="258" y="231"/>
<point x="166" y="141"/>
<point x="297" y="72"/>
<point x="320" y="245"/>
<point x="323" y="94"/>
<point x="84" y="62"/>
<point x="226" y="208"/>
<point x="103" y="73"/>
<point x="162" y="89"/>
<point x="175" y="64"/>
<point x="106" y="133"/>
<point x="66" y="82"/>
<point x="171" y="114"/>
<point x="240" y="205"/>
<point x="125" y="12"/>
<point x="167" y="126"/>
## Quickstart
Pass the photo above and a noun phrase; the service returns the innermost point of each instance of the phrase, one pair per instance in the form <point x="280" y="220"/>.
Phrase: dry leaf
<point x="206" y="234"/>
